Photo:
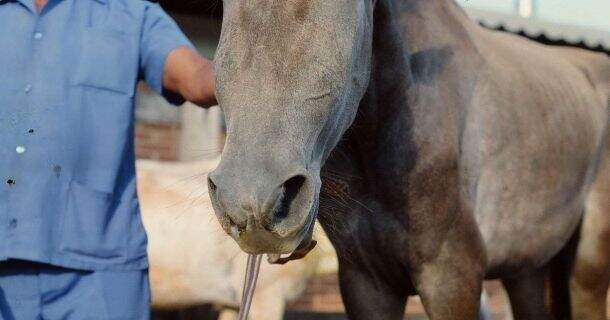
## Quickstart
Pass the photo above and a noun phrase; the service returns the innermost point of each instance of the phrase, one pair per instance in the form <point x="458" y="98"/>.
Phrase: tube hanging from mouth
<point x="252" y="270"/>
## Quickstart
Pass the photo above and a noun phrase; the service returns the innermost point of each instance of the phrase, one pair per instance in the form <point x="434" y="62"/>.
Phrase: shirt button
<point x="20" y="149"/>
<point x="37" y="35"/>
<point x="28" y="88"/>
<point x="13" y="224"/>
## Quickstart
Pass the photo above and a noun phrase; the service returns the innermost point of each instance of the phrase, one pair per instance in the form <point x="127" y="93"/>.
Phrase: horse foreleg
<point x="449" y="294"/>
<point x="366" y="298"/>
<point x="527" y="296"/>
<point x="449" y="279"/>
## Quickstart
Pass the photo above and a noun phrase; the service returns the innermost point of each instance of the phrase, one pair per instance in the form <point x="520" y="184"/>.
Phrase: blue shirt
<point x="67" y="166"/>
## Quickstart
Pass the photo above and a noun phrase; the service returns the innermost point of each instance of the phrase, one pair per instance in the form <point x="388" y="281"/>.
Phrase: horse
<point x="435" y="153"/>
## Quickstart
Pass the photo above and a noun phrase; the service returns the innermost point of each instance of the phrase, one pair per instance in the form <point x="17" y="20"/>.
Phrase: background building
<point x="584" y="24"/>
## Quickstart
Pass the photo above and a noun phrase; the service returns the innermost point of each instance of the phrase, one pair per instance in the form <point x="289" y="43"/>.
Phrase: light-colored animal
<point x="435" y="153"/>
<point x="193" y="262"/>
<point x="590" y="278"/>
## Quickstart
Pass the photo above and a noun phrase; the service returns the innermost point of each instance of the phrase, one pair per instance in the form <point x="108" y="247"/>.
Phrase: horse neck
<point x="380" y="144"/>
<point x="383" y="120"/>
<point x="410" y="36"/>
<point x="385" y="103"/>
<point x="370" y="167"/>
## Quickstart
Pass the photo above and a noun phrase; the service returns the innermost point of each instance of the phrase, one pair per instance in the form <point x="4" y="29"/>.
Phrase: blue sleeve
<point x="160" y="35"/>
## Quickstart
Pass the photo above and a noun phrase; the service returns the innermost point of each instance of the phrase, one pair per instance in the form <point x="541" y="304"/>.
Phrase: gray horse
<point x="435" y="153"/>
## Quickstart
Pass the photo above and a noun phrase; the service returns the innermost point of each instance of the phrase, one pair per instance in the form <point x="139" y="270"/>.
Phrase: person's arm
<point x="191" y="76"/>
<point x="170" y="64"/>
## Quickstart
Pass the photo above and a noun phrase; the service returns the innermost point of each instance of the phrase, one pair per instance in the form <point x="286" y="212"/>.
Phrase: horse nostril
<point x="291" y="189"/>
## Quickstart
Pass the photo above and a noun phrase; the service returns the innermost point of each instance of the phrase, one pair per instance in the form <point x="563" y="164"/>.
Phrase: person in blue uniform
<point x="72" y="245"/>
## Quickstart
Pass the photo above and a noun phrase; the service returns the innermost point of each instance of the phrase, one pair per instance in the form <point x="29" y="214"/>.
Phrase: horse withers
<point x="435" y="153"/>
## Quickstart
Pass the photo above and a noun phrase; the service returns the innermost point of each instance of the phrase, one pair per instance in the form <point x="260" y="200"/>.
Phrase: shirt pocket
<point x="93" y="228"/>
<point x="108" y="60"/>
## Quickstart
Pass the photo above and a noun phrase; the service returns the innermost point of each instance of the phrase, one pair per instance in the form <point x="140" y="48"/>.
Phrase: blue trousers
<point x="33" y="291"/>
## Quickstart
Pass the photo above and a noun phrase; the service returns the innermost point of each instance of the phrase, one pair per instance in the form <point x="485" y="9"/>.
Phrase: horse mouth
<point x="255" y="239"/>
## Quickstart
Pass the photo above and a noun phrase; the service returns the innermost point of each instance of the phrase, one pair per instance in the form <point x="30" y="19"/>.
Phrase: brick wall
<point x="157" y="141"/>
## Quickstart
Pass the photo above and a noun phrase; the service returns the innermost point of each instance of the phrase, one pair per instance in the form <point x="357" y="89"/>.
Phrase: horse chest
<point x="369" y="238"/>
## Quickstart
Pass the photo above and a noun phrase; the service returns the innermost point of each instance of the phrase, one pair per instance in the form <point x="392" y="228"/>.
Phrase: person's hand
<point x="190" y="75"/>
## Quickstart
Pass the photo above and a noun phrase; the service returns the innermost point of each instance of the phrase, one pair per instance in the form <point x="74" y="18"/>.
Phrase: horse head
<point x="290" y="76"/>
